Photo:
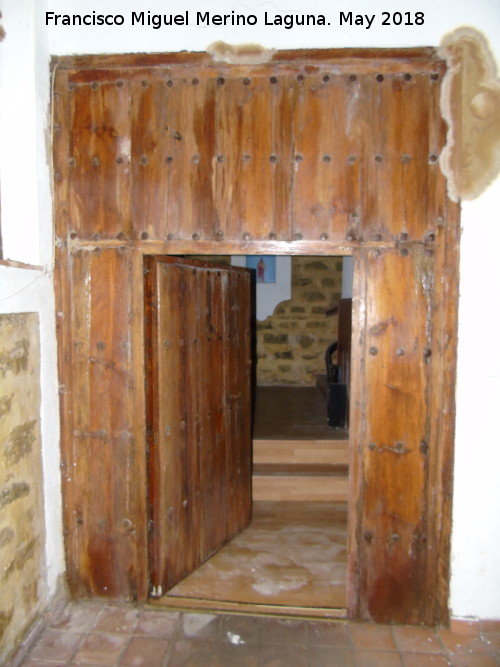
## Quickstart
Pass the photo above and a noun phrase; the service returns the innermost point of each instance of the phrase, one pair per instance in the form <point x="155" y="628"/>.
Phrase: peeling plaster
<point x="470" y="104"/>
<point x="240" y="54"/>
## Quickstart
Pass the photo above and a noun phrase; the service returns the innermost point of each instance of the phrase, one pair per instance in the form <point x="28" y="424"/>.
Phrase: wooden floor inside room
<point x="292" y="413"/>
<point x="293" y="554"/>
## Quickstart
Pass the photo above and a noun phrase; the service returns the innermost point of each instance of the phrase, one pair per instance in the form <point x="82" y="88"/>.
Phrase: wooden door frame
<point x="83" y="251"/>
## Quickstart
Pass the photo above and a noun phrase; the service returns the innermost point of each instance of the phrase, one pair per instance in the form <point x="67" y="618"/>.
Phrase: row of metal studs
<point x="273" y="80"/>
<point x="351" y="159"/>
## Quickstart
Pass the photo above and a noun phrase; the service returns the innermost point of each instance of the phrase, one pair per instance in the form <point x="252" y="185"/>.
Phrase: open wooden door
<point x="198" y="364"/>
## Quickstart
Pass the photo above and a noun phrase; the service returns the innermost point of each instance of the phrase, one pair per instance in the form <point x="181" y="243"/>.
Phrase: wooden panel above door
<point x="296" y="151"/>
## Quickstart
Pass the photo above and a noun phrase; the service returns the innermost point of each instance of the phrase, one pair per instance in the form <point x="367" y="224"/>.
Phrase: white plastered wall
<point x="475" y="582"/>
<point x="26" y="223"/>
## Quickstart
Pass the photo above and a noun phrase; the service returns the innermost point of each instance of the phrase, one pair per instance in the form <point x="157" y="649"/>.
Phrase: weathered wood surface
<point x="103" y="441"/>
<point x="199" y="433"/>
<point x="312" y="153"/>
<point x="249" y="154"/>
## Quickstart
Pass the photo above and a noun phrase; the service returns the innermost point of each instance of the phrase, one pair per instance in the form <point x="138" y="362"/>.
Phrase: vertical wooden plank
<point x="244" y="195"/>
<point x="60" y="147"/>
<point x="105" y="519"/>
<point x="281" y="158"/>
<point x="98" y="159"/>
<point x="414" y="158"/>
<point x="190" y="119"/>
<point x="441" y="404"/>
<point x="392" y="532"/>
<point x="316" y="139"/>
<point x="148" y="166"/>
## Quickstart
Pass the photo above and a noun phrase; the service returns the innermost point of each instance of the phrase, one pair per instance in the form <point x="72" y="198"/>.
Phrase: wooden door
<point x="198" y="364"/>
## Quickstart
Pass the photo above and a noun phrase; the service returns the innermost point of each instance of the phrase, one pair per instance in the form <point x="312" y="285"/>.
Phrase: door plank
<point x="198" y="362"/>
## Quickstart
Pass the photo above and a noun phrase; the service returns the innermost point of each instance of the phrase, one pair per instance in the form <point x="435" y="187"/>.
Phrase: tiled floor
<point x="99" y="634"/>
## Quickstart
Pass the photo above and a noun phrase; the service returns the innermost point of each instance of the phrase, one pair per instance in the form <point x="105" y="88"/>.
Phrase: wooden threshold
<point x="194" y="604"/>
<point x="331" y="452"/>
<point x="297" y="487"/>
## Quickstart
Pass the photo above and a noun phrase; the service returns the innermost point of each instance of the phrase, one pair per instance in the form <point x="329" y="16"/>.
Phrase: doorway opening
<point x="291" y="558"/>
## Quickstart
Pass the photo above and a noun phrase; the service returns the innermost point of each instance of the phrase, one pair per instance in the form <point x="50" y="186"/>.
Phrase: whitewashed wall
<point x="26" y="215"/>
<point x="26" y="223"/>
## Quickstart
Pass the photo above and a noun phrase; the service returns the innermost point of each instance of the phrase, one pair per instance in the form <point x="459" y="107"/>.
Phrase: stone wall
<point x="291" y="343"/>
<point x="21" y="493"/>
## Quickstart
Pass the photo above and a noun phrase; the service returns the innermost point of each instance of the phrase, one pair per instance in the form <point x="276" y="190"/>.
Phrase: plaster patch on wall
<point x="470" y="104"/>
<point x="240" y="54"/>
<point x="22" y="531"/>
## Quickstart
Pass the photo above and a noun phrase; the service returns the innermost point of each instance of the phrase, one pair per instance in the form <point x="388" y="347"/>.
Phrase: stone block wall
<point x="22" y="534"/>
<point x="291" y="343"/>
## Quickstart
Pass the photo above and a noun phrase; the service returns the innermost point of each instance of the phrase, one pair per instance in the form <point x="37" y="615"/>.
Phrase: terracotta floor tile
<point x="188" y="653"/>
<point x="491" y="625"/>
<point x="100" y="649"/>
<point x="370" y="636"/>
<point x="283" y="631"/>
<point x="145" y="652"/>
<point x="227" y="655"/>
<point x="426" y="660"/>
<point x="78" y="617"/>
<point x="199" y="626"/>
<point x="329" y="656"/>
<point x="463" y="643"/>
<point x="464" y="627"/>
<point x="55" y="645"/>
<point x="377" y="659"/>
<point x="157" y="623"/>
<point x="240" y="630"/>
<point x="117" y="619"/>
<point x="283" y="655"/>
<point x="417" y="640"/>
<point x="492" y="639"/>
<point x="323" y="633"/>
<point x="474" y="660"/>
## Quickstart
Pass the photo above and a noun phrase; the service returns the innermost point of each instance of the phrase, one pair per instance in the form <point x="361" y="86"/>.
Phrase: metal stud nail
<point x="373" y="351"/>
<point x="323" y="237"/>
